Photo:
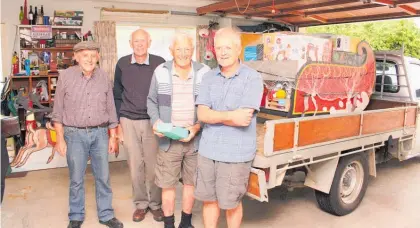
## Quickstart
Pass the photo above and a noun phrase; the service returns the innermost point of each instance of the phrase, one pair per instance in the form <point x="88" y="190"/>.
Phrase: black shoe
<point x="75" y="224"/>
<point x="113" y="223"/>
<point x="181" y="226"/>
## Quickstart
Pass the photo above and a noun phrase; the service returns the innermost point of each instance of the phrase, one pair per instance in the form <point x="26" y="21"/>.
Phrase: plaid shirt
<point x="84" y="101"/>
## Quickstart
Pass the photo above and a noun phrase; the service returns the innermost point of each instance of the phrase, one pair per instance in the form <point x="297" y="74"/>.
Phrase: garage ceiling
<point x="305" y="13"/>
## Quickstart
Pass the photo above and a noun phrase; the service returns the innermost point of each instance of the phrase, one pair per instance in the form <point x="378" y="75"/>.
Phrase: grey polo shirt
<point x="244" y="90"/>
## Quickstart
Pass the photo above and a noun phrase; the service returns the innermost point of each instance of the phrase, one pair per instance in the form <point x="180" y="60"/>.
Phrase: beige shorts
<point x="223" y="182"/>
<point x="179" y="160"/>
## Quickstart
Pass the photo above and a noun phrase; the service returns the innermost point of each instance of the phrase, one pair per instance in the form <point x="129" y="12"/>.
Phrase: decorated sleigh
<point x="312" y="74"/>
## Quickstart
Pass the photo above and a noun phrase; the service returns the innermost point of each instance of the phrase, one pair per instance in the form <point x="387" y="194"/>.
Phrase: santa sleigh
<point x="331" y="79"/>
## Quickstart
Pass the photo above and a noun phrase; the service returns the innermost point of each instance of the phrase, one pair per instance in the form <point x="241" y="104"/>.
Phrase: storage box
<point x="292" y="46"/>
<point x="175" y="133"/>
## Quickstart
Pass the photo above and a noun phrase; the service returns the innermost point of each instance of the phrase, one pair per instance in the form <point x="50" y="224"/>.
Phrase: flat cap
<point x="86" y="45"/>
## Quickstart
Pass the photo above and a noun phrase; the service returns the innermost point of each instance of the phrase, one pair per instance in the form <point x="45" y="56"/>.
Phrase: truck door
<point x="413" y="68"/>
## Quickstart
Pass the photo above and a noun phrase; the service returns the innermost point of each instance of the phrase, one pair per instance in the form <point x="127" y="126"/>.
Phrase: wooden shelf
<point x="49" y="49"/>
<point x="36" y="76"/>
<point x="53" y="26"/>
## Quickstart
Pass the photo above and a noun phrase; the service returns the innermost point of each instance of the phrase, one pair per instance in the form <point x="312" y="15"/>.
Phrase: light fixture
<point x="273" y="10"/>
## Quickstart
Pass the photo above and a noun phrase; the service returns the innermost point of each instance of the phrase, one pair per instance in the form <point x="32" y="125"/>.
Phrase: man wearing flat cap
<point x="84" y="111"/>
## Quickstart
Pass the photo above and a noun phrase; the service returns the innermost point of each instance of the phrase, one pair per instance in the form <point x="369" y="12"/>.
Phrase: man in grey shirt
<point x="83" y="113"/>
<point x="133" y="75"/>
<point x="229" y="98"/>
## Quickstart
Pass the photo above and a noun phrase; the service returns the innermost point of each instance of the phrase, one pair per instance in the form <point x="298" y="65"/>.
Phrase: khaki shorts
<point x="223" y="182"/>
<point x="180" y="159"/>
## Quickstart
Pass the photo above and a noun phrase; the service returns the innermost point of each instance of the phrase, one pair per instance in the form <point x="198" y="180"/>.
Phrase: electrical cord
<point x="249" y="1"/>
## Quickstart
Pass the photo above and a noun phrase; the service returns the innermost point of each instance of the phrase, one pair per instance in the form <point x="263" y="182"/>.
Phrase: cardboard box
<point x="302" y="48"/>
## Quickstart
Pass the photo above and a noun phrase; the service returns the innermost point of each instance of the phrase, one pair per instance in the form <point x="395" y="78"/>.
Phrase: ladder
<point x="399" y="54"/>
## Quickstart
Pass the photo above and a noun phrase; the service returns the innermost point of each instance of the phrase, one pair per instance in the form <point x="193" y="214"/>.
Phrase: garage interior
<point x="39" y="197"/>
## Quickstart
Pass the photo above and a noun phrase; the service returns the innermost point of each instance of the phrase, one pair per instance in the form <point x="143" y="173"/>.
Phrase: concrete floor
<point x="392" y="200"/>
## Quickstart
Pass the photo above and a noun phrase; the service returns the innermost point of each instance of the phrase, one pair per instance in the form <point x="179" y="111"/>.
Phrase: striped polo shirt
<point x="183" y="107"/>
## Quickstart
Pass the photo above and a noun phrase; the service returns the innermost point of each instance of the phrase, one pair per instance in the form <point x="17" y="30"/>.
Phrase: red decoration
<point x="25" y="20"/>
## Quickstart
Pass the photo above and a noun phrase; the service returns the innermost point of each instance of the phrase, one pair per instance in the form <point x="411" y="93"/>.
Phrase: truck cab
<point x="397" y="77"/>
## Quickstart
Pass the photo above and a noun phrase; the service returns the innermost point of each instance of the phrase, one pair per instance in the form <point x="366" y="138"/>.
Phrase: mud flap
<point x="257" y="185"/>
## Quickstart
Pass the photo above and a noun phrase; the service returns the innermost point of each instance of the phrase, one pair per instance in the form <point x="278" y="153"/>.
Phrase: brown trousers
<point x="141" y="146"/>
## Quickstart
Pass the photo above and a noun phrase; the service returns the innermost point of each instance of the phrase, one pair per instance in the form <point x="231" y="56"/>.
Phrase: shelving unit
<point x="48" y="49"/>
<point x="60" y="56"/>
<point x="53" y="26"/>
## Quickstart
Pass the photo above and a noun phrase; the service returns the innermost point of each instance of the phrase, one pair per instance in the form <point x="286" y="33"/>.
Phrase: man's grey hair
<point x="147" y="33"/>
<point x="179" y="36"/>
<point x="229" y="32"/>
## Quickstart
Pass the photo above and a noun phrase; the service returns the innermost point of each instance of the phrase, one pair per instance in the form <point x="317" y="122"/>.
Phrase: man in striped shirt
<point x="171" y="99"/>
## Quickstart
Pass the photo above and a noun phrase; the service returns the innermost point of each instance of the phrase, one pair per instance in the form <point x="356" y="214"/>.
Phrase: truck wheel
<point x="348" y="188"/>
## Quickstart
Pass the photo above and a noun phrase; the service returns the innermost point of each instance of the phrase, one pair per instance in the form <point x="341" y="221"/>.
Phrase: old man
<point x="84" y="112"/>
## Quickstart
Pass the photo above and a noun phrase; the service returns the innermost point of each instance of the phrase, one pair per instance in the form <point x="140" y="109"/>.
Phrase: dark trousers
<point x="4" y="165"/>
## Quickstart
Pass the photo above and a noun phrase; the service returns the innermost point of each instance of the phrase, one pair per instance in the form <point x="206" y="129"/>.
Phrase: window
<point x="161" y="39"/>
<point x="389" y="72"/>
<point x="414" y="72"/>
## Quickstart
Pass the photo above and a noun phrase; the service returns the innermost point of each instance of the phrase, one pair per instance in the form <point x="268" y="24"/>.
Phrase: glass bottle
<point x="35" y="16"/>
<point x="30" y="15"/>
<point x="21" y="14"/>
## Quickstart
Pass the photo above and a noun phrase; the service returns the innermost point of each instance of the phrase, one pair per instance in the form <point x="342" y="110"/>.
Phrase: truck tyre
<point x="348" y="188"/>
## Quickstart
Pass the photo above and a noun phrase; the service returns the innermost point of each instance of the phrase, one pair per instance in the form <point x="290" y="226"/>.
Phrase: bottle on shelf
<point x="15" y="63"/>
<point x="35" y="16"/>
<point x="21" y="14"/>
<point x="30" y="15"/>
<point x="25" y="20"/>
<point x="40" y="17"/>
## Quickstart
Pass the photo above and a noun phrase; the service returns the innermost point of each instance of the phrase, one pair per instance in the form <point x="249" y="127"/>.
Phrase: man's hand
<point x="193" y="132"/>
<point x="241" y="117"/>
<point x="61" y="147"/>
<point x="120" y="134"/>
<point x="112" y="145"/>
<point x="155" y="131"/>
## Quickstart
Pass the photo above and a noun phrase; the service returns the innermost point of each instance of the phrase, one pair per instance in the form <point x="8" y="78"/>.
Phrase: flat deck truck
<point x="338" y="152"/>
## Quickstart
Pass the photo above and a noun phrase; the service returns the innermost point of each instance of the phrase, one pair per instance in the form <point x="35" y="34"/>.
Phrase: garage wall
<point x="10" y="17"/>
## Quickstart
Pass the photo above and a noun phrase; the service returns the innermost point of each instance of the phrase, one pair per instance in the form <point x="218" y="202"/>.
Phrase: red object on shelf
<point x="25" y="20"/>
<point x="15" y="69"/>
<point x="264" y="97"/>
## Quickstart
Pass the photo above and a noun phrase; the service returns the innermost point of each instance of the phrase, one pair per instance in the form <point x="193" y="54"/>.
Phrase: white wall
<point x="1" y="47"/>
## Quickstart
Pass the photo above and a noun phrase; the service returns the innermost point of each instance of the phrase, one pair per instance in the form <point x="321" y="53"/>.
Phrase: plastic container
<point x="175" y="133"/>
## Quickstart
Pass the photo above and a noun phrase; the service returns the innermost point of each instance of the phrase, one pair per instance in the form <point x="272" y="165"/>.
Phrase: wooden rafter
<point x="318" y="18"/>
<point x="353" y="8"/>
<point x="285" y="11"/>
<point x="261" y="5"/>
<point x="220" y="6"/>
<point x="318" y="5"/>
<point x="408" y="9"/>
<point x="344" y="9"/>
<point x="358" y="19"/>
<point x="288" y="10"/>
